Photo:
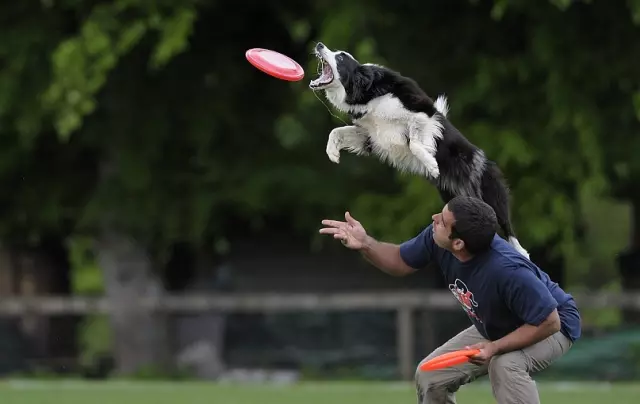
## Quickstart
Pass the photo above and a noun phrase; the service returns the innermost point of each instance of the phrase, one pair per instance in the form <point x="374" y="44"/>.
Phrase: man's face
<point x="442" y="223"/>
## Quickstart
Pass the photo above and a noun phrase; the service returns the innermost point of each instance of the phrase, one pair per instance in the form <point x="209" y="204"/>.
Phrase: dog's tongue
<point x="326" y="70"/>
<point x="326" y="76"/>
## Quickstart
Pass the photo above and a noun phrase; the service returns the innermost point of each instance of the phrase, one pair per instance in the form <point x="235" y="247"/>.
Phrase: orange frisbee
<point x="448" y="359"/>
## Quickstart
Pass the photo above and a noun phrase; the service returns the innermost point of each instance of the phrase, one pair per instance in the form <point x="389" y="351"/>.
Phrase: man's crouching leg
<point x="510" y="374"/>
<point x="439" y="387"/>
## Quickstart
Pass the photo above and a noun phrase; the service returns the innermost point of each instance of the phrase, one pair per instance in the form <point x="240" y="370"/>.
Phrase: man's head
<point x="465" y="224"/>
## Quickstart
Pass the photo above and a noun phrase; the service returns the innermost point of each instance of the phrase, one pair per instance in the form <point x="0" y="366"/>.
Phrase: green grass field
<point x="75" y="392"/>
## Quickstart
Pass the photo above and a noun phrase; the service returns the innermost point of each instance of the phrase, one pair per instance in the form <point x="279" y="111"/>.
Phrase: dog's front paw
<point x="333" y="151"/>
<point x="333" y="146"/>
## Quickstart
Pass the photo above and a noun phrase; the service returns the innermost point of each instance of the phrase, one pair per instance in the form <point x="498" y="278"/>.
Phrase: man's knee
<point x="436" y="386"/>
<point x="509" y="365"/>
<point x="510" y="379"/>
<point x="430" y="388"/>
<point x="429" y="381"/>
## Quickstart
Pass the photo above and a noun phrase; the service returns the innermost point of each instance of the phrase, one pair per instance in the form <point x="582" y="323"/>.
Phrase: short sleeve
<point x="528" y="297"/>
<point x="418" y="251"/>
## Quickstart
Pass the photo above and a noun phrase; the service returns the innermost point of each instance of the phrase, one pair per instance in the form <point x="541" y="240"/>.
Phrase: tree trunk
<point x="199" y="336"/>
<point x="140" y="337"/>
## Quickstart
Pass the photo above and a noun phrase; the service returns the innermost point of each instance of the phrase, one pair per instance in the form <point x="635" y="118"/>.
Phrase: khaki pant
<point x="509" y="373"/>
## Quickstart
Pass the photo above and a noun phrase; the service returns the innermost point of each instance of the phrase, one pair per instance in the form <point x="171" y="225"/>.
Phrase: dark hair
<point x="475" y="223"/>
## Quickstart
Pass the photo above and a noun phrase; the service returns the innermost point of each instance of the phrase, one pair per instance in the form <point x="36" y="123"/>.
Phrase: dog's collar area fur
<point x="355" y="115"/>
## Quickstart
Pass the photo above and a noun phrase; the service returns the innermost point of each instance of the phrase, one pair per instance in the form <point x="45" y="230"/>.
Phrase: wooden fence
<point x="403" y="303"/>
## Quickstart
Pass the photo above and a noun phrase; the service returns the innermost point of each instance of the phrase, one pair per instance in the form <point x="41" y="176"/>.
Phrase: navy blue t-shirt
<point x="500" y="290"/>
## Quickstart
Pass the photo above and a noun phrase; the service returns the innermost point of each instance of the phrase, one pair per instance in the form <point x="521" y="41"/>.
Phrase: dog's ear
<point x="364" y="78"/>
<point x="361" y="82"/>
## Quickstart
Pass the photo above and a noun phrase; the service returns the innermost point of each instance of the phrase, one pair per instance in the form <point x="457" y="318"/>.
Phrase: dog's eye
<point x="339" y="57"/>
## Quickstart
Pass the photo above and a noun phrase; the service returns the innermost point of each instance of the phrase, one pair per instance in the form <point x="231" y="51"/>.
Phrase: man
<point x="522" y="321"/>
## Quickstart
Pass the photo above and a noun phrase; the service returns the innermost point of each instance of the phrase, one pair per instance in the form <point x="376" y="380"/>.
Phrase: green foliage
<point x="170" y="135"/>
<point x="86" y="277"/>
<point x="24" y="52"/>
<point x="95" y="340"/>
<point x="81" y="64"/>
<point x="634" y="6"/>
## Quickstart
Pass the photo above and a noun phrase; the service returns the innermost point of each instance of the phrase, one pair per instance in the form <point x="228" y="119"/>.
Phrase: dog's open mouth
<point x="325" y="74"/>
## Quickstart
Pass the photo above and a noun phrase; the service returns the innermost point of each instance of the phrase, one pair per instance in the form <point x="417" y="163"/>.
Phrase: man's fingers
<point x="334" y="223"/>
<point x="477" y="359"/>
<point x="330" y="230"/>
<point x="350" y="219"/>
<point x="338" y="234"/>
<point x="340" y="230"/>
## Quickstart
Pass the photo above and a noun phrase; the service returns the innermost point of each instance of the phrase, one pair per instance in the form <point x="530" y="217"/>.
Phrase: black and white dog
<point x="396" y="121"/>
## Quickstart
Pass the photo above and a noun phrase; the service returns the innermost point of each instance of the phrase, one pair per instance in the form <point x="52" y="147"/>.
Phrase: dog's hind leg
<point x="496" y="193"/>
<point x="352" y="138"/>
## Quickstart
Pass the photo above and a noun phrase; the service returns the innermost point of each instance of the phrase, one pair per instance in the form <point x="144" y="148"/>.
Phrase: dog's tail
<point x="516" y="244"/>
<point x="505" y="225"/>
<point x="495" y="192"/>
<point x="442" y="105"/>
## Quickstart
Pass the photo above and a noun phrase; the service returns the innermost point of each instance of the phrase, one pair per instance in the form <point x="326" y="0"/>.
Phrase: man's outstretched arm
<point x="386" y="257"/>
<point x="393" y="259"/>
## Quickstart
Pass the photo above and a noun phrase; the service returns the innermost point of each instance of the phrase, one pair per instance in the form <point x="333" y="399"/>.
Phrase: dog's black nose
<point x="319" y="46"/>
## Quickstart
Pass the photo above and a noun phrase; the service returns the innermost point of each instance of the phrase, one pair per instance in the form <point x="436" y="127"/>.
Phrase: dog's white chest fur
<point x="405" y="139"/>
<point x="386" y="122"/>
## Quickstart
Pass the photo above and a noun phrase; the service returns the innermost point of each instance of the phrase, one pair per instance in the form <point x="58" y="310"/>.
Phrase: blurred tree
<point x="45" y="181"/>
<point x="166" y="136"/>
<point x="589" y="50"/>
<point x="177" y="159"/>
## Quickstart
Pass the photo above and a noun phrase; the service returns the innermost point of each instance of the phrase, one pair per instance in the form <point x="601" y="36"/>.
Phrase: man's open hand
<point x="350" y="232"/>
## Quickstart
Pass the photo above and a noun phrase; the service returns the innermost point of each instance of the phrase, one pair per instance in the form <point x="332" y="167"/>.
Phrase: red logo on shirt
<point x="465" y="297"/>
